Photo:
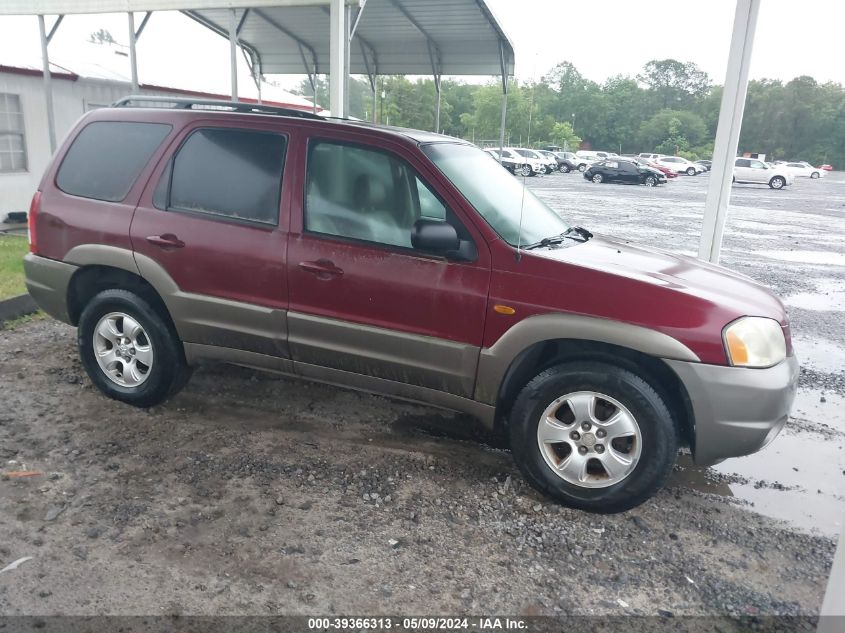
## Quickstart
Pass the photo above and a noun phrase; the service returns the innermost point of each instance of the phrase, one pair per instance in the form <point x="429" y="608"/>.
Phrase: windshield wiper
<point x="577" y="233"/>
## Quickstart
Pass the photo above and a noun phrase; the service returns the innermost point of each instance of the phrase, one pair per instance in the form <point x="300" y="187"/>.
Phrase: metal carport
<point x="372" y="37"/>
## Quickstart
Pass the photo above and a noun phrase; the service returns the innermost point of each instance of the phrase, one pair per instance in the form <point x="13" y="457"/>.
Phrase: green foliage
<point x="671" y="107"/>
<point x="12" y="250"/>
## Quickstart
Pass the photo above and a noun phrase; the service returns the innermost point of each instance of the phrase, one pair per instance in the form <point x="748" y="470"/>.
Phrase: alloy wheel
<point x="589" y="439"/>
<point x="123" y="350"/>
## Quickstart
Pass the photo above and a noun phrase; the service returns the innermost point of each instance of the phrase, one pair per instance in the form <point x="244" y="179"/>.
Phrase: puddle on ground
<point x="806" y="257"/>
<point x="799" y="478"/>
<point x="829" y="296"/>
<point x="819" y="354"/>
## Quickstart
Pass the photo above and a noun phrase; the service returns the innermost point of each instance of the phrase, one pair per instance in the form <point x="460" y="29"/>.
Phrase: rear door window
<point x="234" y="174"/>
<point x="106" y="158"/>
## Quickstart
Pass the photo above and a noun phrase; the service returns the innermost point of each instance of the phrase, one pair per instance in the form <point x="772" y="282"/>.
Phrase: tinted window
<point x="796" y="165"/>
<point x="743" y="162"/>
<point x="367" y="195"/>
<point x="231" y="173"/>
<point x="756" y="164"/>
<point x="627" y="167"/>
<point x="106" y="158"/>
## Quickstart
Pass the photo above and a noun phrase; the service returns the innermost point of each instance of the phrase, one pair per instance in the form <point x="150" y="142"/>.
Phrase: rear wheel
<point x="650" y="181"/>
<point x="564" y="168"/>
<point x="690" y="171"/>
<point x="777" y="182"/>
<point x="815" y="174"/>
<point x="582" y="168"/>
<point x="593" y="436"/>
<point x="597" y="178"/>
<point x="130" y="353"/>
<point x="526" y="170"/>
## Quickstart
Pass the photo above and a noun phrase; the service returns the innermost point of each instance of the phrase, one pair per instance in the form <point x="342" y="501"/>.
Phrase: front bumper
<point x="737" y="410"/>
<point x="47" y="282"/>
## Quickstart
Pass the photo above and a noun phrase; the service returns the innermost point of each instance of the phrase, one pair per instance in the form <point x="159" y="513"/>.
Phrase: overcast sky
<point x="794" y="37"/>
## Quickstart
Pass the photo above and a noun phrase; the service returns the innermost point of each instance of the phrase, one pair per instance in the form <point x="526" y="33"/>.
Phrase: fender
<point x="495" y="360"/>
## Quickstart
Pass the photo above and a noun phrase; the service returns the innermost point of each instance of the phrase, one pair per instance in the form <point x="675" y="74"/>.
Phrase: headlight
<point x="754" y="342"/>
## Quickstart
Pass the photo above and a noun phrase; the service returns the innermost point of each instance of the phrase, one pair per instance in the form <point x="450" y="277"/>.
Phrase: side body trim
<point x="424" y="361"/>
<point x="195" y="353"/>
<point x="495" y="360"/>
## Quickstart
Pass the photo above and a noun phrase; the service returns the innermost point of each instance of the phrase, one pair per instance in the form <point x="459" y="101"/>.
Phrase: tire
<point x="815" y="174"/>
<point x="548" y="170"/>
<point x="597" y="178"/>
<point x="657" y="436"/>
<point x="690" y="171"/>
<point x="650" y="181"/>
<point x="777" y="182"/>
<point x="564" y="168"/>
<point x="526" y="170"/>
<point x="582" y="168"/>
<point x="113" y="311"/>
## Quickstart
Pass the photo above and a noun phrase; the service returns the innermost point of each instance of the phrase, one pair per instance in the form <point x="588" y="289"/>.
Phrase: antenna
<point x="521" y="209"/>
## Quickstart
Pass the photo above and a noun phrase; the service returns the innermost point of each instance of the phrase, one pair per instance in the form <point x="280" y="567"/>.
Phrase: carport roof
<point x="407" y="37"/>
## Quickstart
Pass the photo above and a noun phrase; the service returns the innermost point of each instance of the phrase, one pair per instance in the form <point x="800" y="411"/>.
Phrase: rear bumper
<point x="737" y="410"/>
<point x="47" y="282"/>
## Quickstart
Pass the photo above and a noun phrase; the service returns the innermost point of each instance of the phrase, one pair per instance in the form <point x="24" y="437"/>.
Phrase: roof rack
<point x="187" y="103"/>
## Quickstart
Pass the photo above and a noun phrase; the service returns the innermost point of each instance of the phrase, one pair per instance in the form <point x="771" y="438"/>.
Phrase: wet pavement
<point x="793" y="241"/>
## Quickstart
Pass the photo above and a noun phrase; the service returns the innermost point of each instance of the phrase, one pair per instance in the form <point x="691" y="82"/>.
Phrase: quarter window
<point x="107" y="157"/>
<point x="12" y="134"/>
<point x="743" y="162"/>
<point x="229" y="173"/>
<point x="366" y="195"/>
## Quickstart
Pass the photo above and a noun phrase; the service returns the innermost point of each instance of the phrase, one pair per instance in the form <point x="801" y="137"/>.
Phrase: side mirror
<point x="434" y="236"/>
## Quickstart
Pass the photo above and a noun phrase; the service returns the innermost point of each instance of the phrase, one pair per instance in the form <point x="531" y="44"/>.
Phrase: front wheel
<point x="593" y="436"/>
<point x="130" y="353"/>
<point x="650" y="181"/>
<point x="815" y="174"/>
<point x="690" y="171"/>
<point x="526" y="170"/>
<point x="597" y="178"/>
<point x="777" y="182"/>
<point x="564" y="168"/>
<point x="582" y="168"/>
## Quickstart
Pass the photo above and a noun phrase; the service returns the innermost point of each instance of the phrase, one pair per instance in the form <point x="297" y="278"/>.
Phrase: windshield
<point x="495" y="194"/>
<point x="527" y="153"/>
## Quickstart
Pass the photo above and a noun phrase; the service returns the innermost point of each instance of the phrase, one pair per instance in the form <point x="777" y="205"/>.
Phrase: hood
<point x="698" y="280"/>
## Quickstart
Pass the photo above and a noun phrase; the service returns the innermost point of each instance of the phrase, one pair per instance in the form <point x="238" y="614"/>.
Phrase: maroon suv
<point x="403" y="263"/>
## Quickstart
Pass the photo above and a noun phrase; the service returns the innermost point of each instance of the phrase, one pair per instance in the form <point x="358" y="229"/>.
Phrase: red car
<point x="664" y="170"/>
<point x="404" y="263"/>
<point x="826" y="167"/>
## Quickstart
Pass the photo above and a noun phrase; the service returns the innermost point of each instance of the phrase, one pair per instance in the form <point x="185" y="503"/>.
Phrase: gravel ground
<point x="254" y="494"/>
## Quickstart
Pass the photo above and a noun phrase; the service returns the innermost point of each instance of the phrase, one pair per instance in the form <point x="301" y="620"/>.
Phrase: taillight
<point x="34" y="207"/>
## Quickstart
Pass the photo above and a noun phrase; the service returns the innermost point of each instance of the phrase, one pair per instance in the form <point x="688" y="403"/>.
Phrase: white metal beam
<point x="727" y="132"/>
<point x="48" y="88"/>
<point x="70" y="7"/>
<point x="338" y="48"/>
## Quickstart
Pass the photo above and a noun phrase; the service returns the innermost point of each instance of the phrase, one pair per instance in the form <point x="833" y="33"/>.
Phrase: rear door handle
<point x="323" y="268"/>
<point x="168" y="240"/>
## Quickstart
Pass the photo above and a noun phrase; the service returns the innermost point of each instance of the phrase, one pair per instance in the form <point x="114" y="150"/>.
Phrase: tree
<point x="563" y="136"/>
<point x="101" y="36"/>
<point x="674" y="83"/>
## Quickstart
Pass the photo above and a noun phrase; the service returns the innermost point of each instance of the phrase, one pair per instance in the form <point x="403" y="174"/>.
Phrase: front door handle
<point x="168" y="240"/>
<point x="323" y="268"/>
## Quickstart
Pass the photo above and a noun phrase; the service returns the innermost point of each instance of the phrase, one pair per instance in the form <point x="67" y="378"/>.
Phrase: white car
<point x="585" y="159"/>
<point x="756" y="171"/>
<point x="651" y="157"/>
<point x="533" y="163"/>
<point x="680" y="165"/>
<point x="805" y="170"/>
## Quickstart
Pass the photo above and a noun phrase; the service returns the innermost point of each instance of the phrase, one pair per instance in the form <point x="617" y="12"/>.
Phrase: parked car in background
<point x="645" y="162"/>
<point x="680" y="165"/>
<point x="804" y="169"/>
<point x="559" y="162"/>
<point x="407" y="267"/>
<point x="751" y="170"/>
<point x="826" y="167"/>
<point x="531" y="165"/>
<point x="567" y="161"/>
<point x="585" y="158"/>
<point x="544" y="164"/>
<point x="509" y="161"/>
<point x="649" y="156"/>
<point x="624" y="171"/>
<point x="707" y="164"/>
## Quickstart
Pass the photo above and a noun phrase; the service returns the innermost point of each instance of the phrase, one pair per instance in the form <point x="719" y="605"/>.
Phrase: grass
<point x="21" y="321"/>
<point x="12" y="250"/>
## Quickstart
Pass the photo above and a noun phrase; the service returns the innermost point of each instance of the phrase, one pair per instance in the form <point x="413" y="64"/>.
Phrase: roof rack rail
<point x="187" y="103"/>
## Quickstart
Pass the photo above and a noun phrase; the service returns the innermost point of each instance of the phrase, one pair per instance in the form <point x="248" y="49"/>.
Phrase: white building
<point x="78" y="86"/>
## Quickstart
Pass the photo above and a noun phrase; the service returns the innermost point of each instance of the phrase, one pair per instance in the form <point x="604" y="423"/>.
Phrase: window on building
<point x="12" y="134"/>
